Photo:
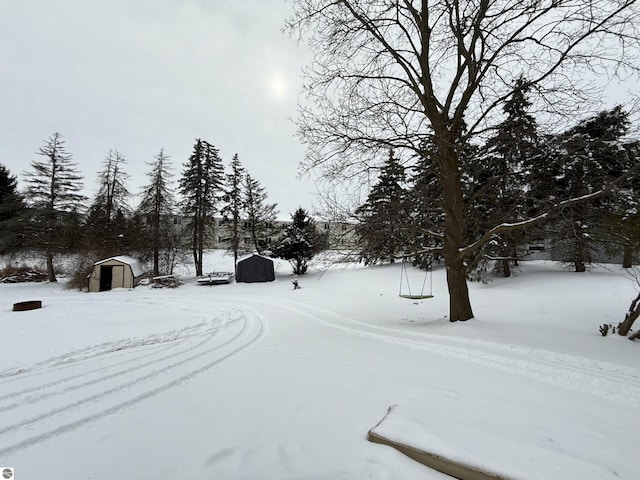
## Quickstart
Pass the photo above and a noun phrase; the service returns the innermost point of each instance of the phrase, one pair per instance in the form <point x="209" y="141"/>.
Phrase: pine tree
<point x="113" y="194"/>
<point x="621" y="222"/>
<point x="425" y="210"/>
<point x="578" y="161"/>
<point x="157" y="206"/>
<point x="301" y="242"/>
<point x="201" y="189"/>
<point x="11" y="211"/>
<point x="135" y="238"/>
<point x="53" y="192"/>
<point x="109" y="211"/>
<point x="260" y="216"/>
<point x="497" y="185"/>
<point x="233" y="209"/>
<point x="383" y="227"/>
<point x="98" y="238"/>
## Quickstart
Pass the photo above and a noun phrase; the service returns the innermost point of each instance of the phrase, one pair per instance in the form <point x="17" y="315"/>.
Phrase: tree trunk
<point x="459" y="304"/>
<point x="51" y="274"/>
<point x="627" y="255"/>
<point x="156" y="244"/>
<point x="199" y="260"/>
<point x="506" y="270"/>
<point x="579" y="258"/>
<point x="254" y="237"/>
<point x="156" y="262"/>
<point x="630" y="317"/>
<point x="235" y="241"/>
<point x="195" y="253"/>
<point x="200" y="249"/>
<point x="194" y="241"/>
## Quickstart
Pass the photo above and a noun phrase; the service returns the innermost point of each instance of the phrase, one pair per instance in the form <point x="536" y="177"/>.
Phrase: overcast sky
<point x="138" y="75"/>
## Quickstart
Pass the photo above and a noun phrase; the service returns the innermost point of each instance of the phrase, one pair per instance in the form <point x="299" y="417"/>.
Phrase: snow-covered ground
<point x="258" y="381"/>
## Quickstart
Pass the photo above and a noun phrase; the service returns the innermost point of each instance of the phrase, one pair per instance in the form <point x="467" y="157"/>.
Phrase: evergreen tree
<point x="157" y="206"/>
<point x="578" y="161"/>
<point x="135" y="237"/>
<point x="53" y="193"/>
<point x="113" y="194"/>
<point x="11" y="211"/>
<point x="425" y="210"/>
<point x="107" y="219"/>
<point x="201" y="188"/>
<point x="233" y="208"/>
<point x="260" y="216"/>
<point x="301" y="242"/>
<point x="97" y="238"/>
<point x="622" y="219"/>
<point x="497" y="185"/>
<point x="383" y="221"/>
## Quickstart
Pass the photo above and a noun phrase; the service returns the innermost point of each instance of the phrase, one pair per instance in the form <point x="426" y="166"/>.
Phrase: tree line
<point x="52" y="216"/>
<point x="516" y="174"/>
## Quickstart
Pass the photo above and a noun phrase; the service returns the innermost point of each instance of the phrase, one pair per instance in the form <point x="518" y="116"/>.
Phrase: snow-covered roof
<point x="249" y="255"/>
<point x="136" y="268"/>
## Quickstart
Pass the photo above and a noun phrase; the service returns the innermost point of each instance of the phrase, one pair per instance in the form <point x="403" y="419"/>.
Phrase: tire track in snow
<point x="52" y="423"/>
<point x="102" y="353"/>
<point x="70" y="359"/>
<point x="32" y="399"/>
<point x="611" y="371"/>
<point x="117" y="388"/>
<point x="164" y="341"/>
<point x="628" y="375"/>
<point x="617" y="383"/>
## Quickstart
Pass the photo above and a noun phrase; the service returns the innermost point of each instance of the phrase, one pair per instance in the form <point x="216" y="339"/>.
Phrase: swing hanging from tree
<point x="411" y="296"/>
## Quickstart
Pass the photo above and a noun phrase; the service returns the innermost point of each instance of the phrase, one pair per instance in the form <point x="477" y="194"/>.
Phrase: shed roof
<point x="251" y="255"/>
<point x="136" y="268"/>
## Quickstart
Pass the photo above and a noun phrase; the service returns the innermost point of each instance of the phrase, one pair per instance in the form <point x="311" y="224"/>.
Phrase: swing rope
<point x="406" y="276"/>
<point x="403" y="272"/>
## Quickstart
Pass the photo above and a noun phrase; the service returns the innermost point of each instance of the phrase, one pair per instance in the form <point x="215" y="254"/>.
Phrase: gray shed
<point x="256" y="268"/>
<point x="115" y="272"/>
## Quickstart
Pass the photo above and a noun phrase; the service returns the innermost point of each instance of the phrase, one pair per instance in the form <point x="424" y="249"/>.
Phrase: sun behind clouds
<point x="277" y="85"/>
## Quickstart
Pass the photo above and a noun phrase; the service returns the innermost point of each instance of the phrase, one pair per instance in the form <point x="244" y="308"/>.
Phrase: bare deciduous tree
<point x="403" y="74"/>
<point x="634" y="308"/>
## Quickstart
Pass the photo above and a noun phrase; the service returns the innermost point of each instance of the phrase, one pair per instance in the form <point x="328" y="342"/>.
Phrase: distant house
<point x="256" y="268"/>
<point x="115" y="272"/>
<point x="342" y="235"/>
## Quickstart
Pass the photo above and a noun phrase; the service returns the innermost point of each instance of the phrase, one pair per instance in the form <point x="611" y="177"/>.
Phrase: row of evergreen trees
<point x="52" y="215"/>
<point x="516" y="174"/>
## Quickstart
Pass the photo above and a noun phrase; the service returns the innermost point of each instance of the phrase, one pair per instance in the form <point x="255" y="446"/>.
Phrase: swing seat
<point x="411" y="296"/>
<point x="416" y="297"/>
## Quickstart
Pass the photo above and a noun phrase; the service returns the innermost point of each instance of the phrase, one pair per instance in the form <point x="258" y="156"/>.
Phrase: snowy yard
<point x="258" y="381"/>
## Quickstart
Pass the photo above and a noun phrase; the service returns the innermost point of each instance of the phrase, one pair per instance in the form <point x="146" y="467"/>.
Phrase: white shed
<point x="115" y="272"/>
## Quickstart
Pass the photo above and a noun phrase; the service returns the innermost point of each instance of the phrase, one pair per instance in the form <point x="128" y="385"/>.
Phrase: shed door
<point x="118" y="277"/>
<point x="106" y="275"/>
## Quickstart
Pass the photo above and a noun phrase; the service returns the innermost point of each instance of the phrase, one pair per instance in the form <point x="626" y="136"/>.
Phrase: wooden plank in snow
<point x="456" y="469"/>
